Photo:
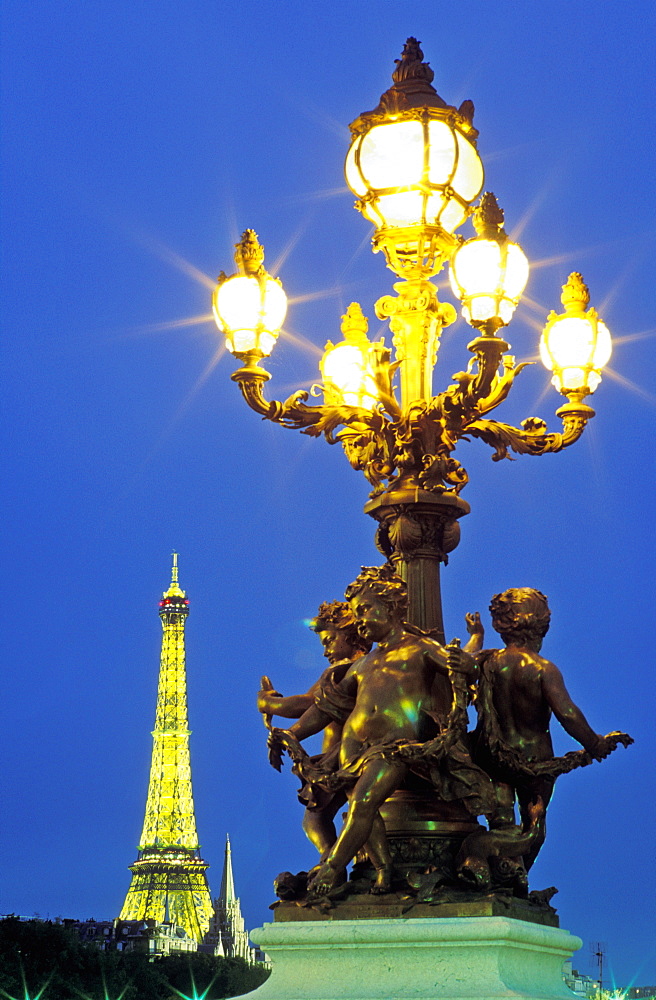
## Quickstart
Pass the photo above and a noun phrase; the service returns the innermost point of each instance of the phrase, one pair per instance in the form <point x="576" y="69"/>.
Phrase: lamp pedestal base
<point x="457" y="958"/>
<point x="417" y="529"/>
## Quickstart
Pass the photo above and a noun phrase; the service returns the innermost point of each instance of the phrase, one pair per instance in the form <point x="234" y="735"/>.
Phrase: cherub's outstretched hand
<point x="281" y="740"/>
<point x="606" y="744"/>
<point x="476" y="632"/>
<point x="474" y="625"/>
<point x="265" y="697"/>
<point x="459" y="661"/>
<point x="276" y="748"/>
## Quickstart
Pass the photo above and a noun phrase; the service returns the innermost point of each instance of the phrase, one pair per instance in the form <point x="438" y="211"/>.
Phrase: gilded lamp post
<point x="397" y="752"/>
<point x="414" y="167"/>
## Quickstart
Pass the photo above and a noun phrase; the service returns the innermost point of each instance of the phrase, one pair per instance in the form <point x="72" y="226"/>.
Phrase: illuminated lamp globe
<point x="576" y="344"/>
<point x="348" y="368"/>
<point x="249" y="307"/>
<point x="414" y="168"/>
<point x="489" y="272"/>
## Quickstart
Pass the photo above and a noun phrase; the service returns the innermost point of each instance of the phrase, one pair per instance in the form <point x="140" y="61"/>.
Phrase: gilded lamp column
<point x="415" y="169"/>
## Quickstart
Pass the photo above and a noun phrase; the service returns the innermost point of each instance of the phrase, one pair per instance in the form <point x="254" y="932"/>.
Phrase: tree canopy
<point x="40" y="959"/>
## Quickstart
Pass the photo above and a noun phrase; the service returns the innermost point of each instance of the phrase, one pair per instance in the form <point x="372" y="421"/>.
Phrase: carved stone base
<point x="460" y="958"/>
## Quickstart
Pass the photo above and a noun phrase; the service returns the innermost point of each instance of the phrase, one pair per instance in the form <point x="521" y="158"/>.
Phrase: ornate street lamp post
<point x="416" y="172"/>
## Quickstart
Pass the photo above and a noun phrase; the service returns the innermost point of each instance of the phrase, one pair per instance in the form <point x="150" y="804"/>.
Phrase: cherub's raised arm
<point x="436" y="655"/>
<point x="312" y="721"/>
<point x="332" y="702"/>
<point x="291" y="707"/>
<point x="338" y="705"/>
<point x="568" y="714"/>
<point x="476" y="633"/>
<point x="445" y="662"/>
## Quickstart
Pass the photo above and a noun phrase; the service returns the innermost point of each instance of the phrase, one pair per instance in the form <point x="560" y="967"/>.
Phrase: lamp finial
<point x="249" y="253"/>
<point x="488" y="218"/>
<point x="575" y="296"/>
<point x="355" y="325"/>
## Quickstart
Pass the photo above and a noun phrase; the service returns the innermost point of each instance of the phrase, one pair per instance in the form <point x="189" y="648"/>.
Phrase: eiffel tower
<point x="169" y="883"/>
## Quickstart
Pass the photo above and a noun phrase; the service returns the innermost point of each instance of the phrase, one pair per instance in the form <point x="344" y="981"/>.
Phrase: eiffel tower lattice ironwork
<point x="169" y="883"/>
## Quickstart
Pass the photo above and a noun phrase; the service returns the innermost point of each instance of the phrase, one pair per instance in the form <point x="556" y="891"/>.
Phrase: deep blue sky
<point x="140" y="139"/>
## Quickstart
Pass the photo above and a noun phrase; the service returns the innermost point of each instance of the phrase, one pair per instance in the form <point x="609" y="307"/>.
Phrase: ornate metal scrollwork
<point x="412" y="447"/>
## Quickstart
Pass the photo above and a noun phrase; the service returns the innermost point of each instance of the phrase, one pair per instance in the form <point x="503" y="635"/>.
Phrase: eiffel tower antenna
<point x="168" y="877"/>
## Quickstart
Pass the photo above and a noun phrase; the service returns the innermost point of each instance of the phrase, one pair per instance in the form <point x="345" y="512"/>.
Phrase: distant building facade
<point x="586" y="986"/>
<point x="146" y="936"/>
<point x="579" y="983"/>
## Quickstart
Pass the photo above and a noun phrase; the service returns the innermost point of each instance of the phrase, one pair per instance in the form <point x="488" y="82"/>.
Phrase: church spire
<point x="227" y="894"/>
<point x="228" y="924"/>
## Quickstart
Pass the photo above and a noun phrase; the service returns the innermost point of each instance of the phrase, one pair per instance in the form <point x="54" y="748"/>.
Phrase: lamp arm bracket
<point x="532" y="438"/>
<point x="503" y="437"/>
<point x="574" y="415"/>
<point x="293" y="412"/>
<point x="317" y="420"/>
<point x="326" y="419"/>
<point x="488" y="352"/>
<point x="290" y="413"/>
<point x="250" y="379"/>
<point x="501" y="386"/>
<point x="383" y="377"/>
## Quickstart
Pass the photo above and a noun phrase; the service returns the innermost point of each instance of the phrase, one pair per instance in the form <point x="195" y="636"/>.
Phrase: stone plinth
<point x="438" y="958"/>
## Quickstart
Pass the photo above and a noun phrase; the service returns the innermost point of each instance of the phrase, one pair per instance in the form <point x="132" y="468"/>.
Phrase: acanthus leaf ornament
<point x="410" y="447"/>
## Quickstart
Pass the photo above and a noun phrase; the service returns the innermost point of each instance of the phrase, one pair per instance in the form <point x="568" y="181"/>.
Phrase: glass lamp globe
<point x="489" y="272"/>
<point x="249" y="307"/>
<point x="413" y="163"/>
<point x="347" y="368"/>
<point x="576" y="344"/>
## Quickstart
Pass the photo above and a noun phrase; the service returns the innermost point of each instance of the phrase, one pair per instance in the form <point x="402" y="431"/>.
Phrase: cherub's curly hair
<point x="385" y="583"/>
<point x="520" y="615"/>
<point x="337" y="614"/>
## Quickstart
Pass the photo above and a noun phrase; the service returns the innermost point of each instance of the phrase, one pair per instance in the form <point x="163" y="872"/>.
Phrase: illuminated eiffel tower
<point x="168" y="878"/>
